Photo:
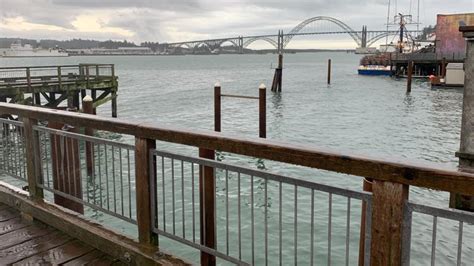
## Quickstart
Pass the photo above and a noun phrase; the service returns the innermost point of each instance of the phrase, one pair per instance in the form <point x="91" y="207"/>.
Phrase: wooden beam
<point x="207" y="204"/>
<point x="421" y="175"/>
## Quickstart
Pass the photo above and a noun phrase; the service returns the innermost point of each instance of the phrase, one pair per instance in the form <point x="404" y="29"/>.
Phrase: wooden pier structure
<point x="51" y="86"/>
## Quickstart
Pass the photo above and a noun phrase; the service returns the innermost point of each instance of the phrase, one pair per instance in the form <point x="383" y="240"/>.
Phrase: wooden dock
<point x="50" y="86"/>
<point x="24" y="242"/>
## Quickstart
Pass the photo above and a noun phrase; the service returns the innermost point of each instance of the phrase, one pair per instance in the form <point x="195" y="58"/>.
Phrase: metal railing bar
<point x="280" y="229"/>
<point x="252" y="218"/>
<point x="348" y="229"/>
<point x="194" y="209"/>
<point x="183" y="221"/>
<point x="11" y="122"/>
<point x="312" y="228"/>
<point x="92" y="206"/>
<point x="238" y="217"/>
<point x="329" y="227"/>
<point x="459" y="255"/>
<point x="368" y="234"/>
<point x="296" y="226"/>
<point x="433" y="241"/>
<point x="406" y="236"/>
<point x="208" y="250"/>
<point x="448" y="213"/>
<point x="172" y="197"/>
<point x="84" y="137"/>
<point x="270" y="176"/>
<point x="266" y="221"/>
<point x="239" y="96"/>
<point x="227" y="210"/>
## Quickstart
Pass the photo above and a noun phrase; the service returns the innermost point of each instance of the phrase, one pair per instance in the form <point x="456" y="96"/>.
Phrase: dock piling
<point x="277" y="78"/>
<point x="329" y="71"/>
<point x="262" y="107"/>
<point x="409" y="76"/>
<point x="88" y="108"/>
<point x="217" y="107"/>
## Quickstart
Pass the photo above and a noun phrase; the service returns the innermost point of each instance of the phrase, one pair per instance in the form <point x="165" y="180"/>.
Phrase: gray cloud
<point x="168" y="20"/>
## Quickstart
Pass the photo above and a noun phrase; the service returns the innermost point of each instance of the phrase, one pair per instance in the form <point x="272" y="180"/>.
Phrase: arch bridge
<point x="280" y="41"/>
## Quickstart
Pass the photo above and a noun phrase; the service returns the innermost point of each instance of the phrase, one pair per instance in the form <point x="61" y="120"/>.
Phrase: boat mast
<point x="402" y="26"/>
<point x="388" y="22"/>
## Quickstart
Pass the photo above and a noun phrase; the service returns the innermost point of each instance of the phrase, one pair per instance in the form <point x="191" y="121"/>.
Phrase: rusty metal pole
<point x="207" y="196"/>
<point x="262" y="107"/>
<point x="217" y="107"/>
<point x="409" y="76"/>
<point x="88" y="108"/>
<point x="329" y="71"/>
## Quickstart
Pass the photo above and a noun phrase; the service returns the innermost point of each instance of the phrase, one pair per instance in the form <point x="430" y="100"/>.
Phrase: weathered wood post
<point x="443" y="67"/>
<point x="88" y="108"/>
<point x="329" y="71"/>
<point x="145" y="166"/>
<point x="466" y="150"/>
<point x="409" y="75"/>
<point x="388" y="201"/>
<point x="367" y="186"/>
<point x="217" y="107"/>
<point x="66" y="167"/>
<point x="33" y="158"/>
<point x="262" y="110"/>
<point x="114" y="92"/>
<point x="207" y="195"/>
<point x="277" y="78"/>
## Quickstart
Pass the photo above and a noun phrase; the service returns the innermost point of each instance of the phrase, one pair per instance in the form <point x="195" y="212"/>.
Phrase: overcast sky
<point x="177" y="20"/>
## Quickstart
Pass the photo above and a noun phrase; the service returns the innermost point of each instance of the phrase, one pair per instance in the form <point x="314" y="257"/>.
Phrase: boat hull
<point x="374" y="72"/>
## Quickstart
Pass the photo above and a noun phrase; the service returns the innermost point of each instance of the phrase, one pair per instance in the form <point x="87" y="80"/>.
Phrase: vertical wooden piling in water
<point x="217" y="107"/>
<point x="114" y="92"/>
<point x="329" y="71"/>
<point x="88" y="108"/>
<point x="207" y="195"/>
<point x="66" y="167"/>
<point x="262" y="107"/>
<point x="443" y="67"/>
<point x="409" y="76"/>
<point x="277" y="78"/>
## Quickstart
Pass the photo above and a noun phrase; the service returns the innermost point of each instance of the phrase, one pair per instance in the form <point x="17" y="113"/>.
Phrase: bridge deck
<point x="32" y="243"/>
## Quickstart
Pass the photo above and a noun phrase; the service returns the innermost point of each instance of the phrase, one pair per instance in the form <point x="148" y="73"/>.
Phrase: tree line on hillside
<point x="76" y="43"/>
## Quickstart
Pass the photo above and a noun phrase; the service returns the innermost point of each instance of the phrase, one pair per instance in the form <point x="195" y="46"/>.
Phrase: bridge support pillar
<point x="241" y="45"/>
<point x="364" y="37"/>
<point x="466" y="151"/>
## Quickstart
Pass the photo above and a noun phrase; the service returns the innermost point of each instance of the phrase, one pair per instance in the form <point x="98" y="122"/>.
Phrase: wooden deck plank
<point x="12" y="225"/>
<point x="32" y="247"/>
<point x="8" y="213"/>
<point x="21" y="235"/>
<point x="86" y="258"/>
<point x="58" y="255"/>
<point x="102" y="261"/>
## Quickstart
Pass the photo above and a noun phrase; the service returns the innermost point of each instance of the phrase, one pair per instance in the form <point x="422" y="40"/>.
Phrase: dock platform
<point x="26" y="242"/>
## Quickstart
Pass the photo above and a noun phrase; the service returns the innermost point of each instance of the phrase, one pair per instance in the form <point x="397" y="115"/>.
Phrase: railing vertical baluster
<point x="145" y="175"/>
<point x="459" y="255"/>
<point x="33" y="158"/>
<point x="207" y="193"/>
<point x="387" y="217"/>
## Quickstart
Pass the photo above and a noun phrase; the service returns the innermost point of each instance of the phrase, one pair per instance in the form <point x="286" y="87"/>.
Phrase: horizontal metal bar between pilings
<point x="84" y="137"/>
<point x="208" y="250"/>
<point x="11" y="122"/>
<point x="90" y="205"/>
<point x="266" y="175"/>
<point x="240" y="96"/>
<point x="448" y="213"/>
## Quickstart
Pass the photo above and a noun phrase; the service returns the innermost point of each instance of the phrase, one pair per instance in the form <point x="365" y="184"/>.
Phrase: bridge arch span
<point x="266" y="39"/>
<point x="344" y="26"/>
<point x="228" y="41"/>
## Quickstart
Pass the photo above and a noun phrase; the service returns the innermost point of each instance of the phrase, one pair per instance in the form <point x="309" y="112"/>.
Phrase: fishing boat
<point x="19" y="50"/>
<point x="374" y="70"/>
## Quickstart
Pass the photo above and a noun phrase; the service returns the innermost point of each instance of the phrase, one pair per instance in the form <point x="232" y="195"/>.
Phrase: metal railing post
<point x="33" y="158"/>
<point x="207" y="195"/>
<point x="145" y="174"/>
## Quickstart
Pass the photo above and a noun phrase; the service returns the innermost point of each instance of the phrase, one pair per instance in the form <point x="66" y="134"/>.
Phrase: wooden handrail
<point x="411" y="174"/>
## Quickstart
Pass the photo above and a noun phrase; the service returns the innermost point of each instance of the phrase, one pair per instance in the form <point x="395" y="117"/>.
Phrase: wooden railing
<point x="391" y="179"/>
